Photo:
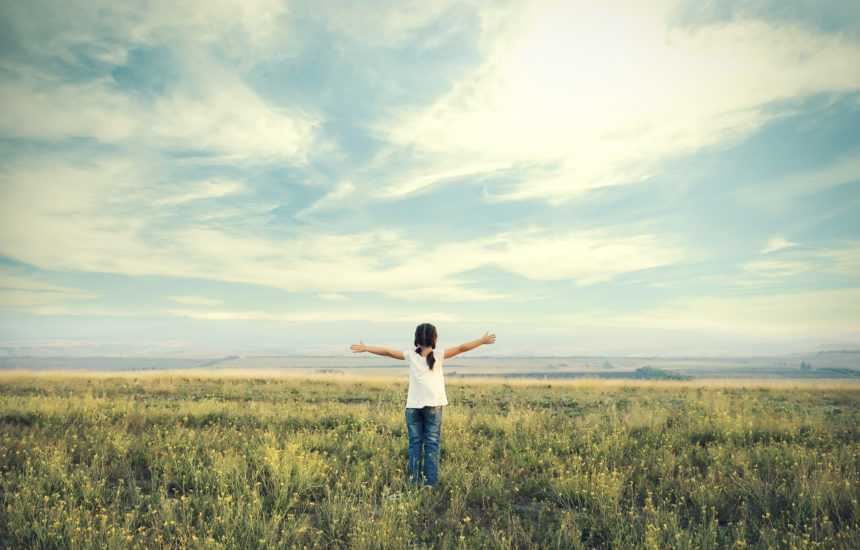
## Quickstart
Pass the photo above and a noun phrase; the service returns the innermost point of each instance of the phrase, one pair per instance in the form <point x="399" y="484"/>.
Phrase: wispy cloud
<point x="778" y="243"/>
<point x="190" y="47"/>
<point x="90" y="226"/>
<point x="111" y="29"/>
<point x="780" y="194"/>
<point x="196" y="300"/>
<point x="230" y="124"/>
<point x="192" y="191"/>
<point x="339" y="197"/>
<point x="464" y="292"/>
<point x="332" y="297"/>
<point x="310" y="317"/>
<point x="843" y="260"/>
<point x="600" y="94"/>
<point x="583" y="257"/>
<point x="17" y="291"/>
<point x="819" y="311"/>
<point x="777" y="268"/>
<point x="389" y="23"/>
<point x="802" y="313"/>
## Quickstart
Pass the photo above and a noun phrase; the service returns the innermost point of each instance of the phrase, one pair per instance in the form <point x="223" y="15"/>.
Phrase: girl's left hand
<point x="358" y="348"/>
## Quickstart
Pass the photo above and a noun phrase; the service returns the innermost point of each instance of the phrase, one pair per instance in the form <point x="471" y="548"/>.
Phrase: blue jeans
<point x="425" y="431"/>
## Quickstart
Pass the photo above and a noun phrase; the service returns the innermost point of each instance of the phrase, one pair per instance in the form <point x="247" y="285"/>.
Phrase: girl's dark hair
<point x="425" y="336"/>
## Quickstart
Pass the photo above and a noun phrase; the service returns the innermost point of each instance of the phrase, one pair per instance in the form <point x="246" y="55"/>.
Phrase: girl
<point x="425" y="398"/>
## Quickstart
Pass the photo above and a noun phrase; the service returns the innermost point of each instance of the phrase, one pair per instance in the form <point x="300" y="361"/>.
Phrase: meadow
<point x="249" y="460"/>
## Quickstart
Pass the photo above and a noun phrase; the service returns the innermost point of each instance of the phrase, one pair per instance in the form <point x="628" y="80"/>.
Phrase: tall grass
<point x="180" y="460"/>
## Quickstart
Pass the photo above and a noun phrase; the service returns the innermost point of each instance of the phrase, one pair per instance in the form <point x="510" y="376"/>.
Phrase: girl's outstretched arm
<point x="360" y="347"/>
<point x="485" y="339"/>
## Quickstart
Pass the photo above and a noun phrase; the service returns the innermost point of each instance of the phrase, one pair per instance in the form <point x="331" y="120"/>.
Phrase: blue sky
<point x="269" y="176"/>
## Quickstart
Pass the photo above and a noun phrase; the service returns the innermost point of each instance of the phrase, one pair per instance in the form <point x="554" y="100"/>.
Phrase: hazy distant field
<point x="158" y="460"/>
<point x="831" y="365"/>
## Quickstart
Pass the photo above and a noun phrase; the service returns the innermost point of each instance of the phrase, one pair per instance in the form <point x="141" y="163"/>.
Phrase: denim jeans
<point x="425" y="431"/>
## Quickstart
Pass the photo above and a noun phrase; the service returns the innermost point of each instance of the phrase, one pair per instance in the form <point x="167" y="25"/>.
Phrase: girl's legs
<point x="415" y="428"/>
<point x="425" y="431"/>
<point x="432" y="436"/>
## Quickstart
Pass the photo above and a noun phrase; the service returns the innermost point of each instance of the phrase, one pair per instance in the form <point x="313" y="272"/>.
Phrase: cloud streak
<point x="778" y="243"/>
<point x="791" y="261"/>
<point x="197" y="301"/>
<point x="304" y="317"/>
<point x="230" y="124"/>
<point x="94" y="229"/>
<point x="814" y="313"/>
<point x="17" y="292"/>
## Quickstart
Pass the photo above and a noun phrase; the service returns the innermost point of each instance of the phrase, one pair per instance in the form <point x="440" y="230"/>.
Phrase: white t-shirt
<point x="426" y="387"/>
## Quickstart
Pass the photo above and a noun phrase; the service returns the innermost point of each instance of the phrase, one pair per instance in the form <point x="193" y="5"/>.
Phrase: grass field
<point x="257" y="461"/>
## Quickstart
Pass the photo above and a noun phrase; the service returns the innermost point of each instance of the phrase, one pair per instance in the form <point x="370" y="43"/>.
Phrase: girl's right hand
<point x="488" y="338"/>
<point x="358" y="348"/>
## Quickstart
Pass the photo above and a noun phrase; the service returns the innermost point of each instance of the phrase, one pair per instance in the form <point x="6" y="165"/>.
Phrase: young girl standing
<point x="425" y="398"/>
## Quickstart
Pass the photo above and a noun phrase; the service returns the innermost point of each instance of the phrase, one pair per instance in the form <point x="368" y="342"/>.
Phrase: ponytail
<point x="425" y="336"/>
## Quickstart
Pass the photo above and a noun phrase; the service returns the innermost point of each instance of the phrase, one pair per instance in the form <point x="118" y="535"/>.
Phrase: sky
<point x="288" y="177"/>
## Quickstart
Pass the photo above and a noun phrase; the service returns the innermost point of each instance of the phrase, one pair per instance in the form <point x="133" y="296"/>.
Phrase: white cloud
<point x="106" y="30"/>
<point x="780" y="195"/>
<point x="586" y="257"/>
<point x="464" y="292"/>
<point x="332" y="297"/>
<point x="193" y="191"/>
<point x="777" y="268"/>
<point x="778" y="243"/>
<point x="28" y="298"/>
<point x="229" y="122"/>
<point x="310" y="317"/>
<point x="801" y="314"/>
<point x="388" y="23"/>
<point x="598" y="94"/>
<point x="69" y="216"/>
<point x="225" y="315"/>
<point x="413" y="181"/>
<point x="196" y="300"/>
<point x="77" y="218"/>
<point x="819" y="311"/>
<point x="844" y="260"/>
<point x="338" y="197"/>
<point x="209" y="109"/>
<point x="17" y="291"/>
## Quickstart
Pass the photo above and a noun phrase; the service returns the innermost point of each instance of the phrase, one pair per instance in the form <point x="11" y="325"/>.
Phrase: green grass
<point x="151" y="461"/>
